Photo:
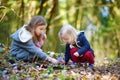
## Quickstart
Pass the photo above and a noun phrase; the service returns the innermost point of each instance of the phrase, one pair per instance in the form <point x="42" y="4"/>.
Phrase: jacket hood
<point x="21" y="35"/>
<point x="80" y="32"/>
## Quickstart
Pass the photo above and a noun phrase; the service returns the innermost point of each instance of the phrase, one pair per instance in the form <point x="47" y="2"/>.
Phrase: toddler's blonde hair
<point x="69" y="31"/>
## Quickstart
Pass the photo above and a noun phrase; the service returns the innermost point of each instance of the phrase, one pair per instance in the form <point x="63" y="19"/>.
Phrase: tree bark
<point x="55" y="2"/>
<point x="41" y="6"/>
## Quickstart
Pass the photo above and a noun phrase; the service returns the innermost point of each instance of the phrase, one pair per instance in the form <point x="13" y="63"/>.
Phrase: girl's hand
<point x="54" y="61"/>
<point x="44" y="36"/>
<point x="76" y="54"/>
<point x="62" y="61"/>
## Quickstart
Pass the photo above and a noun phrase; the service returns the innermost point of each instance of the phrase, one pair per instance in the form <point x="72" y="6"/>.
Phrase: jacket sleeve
<point x="67" y="53"/>
<point x="31" y="48"/>
<point x="85" y="44"/>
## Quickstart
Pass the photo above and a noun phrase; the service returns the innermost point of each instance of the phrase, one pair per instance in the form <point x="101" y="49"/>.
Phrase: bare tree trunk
<point x="117" y="43"/>
<point x="55" y="2"/>
<point x="78" y="2"/>
<point x="41" y="6"/>
<point x="21" y="13"/>
<point x="67" y="8"/>
<point x="76" y="17"/>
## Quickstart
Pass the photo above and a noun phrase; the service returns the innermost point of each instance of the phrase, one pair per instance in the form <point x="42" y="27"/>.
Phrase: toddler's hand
<point x="76" y="54"/>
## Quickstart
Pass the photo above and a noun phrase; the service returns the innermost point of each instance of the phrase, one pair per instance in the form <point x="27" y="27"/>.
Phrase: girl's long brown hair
<point x="33" y="24"/>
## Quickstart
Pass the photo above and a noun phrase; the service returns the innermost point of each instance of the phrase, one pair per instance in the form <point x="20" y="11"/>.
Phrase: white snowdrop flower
<point x="52" y="54"/>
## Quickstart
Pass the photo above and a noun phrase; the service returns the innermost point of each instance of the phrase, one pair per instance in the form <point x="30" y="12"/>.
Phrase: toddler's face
<point x="66" y="39"/>
<point x="39" y="30"/>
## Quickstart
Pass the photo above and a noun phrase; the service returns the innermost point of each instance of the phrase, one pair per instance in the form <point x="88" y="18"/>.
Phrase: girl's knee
<point x="88" y="54"/>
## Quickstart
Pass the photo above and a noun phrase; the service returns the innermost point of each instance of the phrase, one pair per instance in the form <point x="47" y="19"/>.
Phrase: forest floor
<point x="11" y="69"/>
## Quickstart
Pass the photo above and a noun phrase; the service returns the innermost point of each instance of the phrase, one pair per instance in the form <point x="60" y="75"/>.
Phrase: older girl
<point x="26" y="41"/>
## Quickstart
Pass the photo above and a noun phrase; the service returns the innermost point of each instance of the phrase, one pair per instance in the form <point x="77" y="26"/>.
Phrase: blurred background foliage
<point x="100" y="19"/>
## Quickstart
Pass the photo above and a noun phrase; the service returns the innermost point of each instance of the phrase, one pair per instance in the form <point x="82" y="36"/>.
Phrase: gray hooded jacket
<point x="23" y="47"/>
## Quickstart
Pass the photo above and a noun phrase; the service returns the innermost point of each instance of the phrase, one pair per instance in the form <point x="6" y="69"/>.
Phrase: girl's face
<point x="39" y="30"/>
<point x="66" y="39"/>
